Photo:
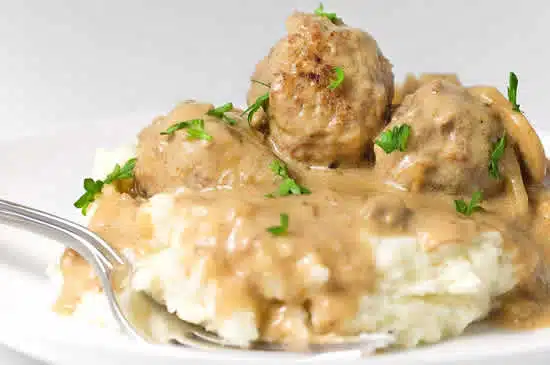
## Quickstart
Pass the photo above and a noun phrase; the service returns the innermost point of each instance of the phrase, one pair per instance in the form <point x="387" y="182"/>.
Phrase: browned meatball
<point x="308" y="121"/>
<point x="231" y="158"/>
<point x="452" y="134"/>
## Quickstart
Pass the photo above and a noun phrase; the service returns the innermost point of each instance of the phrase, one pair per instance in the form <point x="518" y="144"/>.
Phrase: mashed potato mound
<point x="422" y="296"/>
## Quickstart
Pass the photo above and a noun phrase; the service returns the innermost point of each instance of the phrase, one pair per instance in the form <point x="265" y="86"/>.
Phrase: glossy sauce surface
<point x="229" y="227"/>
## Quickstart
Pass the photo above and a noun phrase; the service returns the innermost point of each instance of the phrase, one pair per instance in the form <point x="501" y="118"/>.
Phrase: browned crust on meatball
<point x="310" y="122"/>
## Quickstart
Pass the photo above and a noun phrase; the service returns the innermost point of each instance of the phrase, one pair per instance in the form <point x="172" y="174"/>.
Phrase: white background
<point x="73" y="63"/>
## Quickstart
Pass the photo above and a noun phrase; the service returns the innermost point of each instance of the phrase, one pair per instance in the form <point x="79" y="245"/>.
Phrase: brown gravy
<point x="324" y="223"/>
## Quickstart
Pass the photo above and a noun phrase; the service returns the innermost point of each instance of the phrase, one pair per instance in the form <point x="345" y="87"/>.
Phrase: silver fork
<point x="125" y="305"/>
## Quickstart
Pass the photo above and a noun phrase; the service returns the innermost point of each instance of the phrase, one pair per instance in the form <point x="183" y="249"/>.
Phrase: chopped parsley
<point x="261" y="102"/>
<point x="473" y="206"/>
<point x="288" y="186"/>
<point x="94" y="187"/>
<point x="282" y="228"/>
<point x="496" y="155"/>
<point x="193" y="127"/>
<point x="394" y="139"/>
<point x="220" y="111"/>
<point x="330" y="16"/>
<point x="339" y="72"/>
<point x="121" y="173"/>
<point x="513" y="92"/>
<point x="279" y="168"/>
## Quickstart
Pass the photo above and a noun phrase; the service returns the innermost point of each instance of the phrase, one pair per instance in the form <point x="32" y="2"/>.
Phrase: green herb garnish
<point x="473" y="206"/>
<point x="261" y="102"/>
<point x="496" y="155"/>
<point x="193" y="127"/>
<point x="339" y="78"/>
<point x="279" y="168"/>
<point x="513" y="92"/>
<point x="220" y="111"/>
<point x="321" y="12"/>
<point x="289" y="186"/>
<point x="282" y="228"/>
<point x="94" y="187"/>
<point x="394" y="139"/>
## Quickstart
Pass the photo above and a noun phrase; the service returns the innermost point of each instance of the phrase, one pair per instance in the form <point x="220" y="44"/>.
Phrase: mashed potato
<point x="422" y="296"/>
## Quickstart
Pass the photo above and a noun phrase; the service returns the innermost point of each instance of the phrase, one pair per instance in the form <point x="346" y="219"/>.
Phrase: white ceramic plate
<point x="46" y="171"/>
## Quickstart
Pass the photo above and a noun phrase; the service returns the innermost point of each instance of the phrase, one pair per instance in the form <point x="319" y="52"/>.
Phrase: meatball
<point x="452" y="134"/>
<point x="307" y="120"/>
<point x="412" y="83"/>
<point x="233" y="157"/>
